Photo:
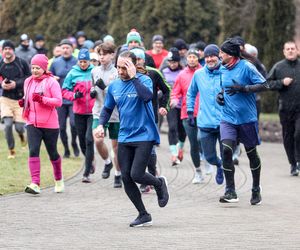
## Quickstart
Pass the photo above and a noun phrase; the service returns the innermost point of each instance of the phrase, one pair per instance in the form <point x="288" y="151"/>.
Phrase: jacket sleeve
<point x="165" y="89"/>
<point x="56" y="97"/>
<point x="191" y="94"/>
<point x="26" y="71"/>
<point x="274" y="83"/>
<point x="67" y="87"/>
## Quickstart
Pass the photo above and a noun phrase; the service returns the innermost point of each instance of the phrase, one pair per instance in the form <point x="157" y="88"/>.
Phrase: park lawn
<point x="269" y="117"/>
<point x="14" y="173"/>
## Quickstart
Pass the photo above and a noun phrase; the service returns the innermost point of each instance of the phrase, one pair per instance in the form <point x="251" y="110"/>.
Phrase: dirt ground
<point x="270" y="131"/>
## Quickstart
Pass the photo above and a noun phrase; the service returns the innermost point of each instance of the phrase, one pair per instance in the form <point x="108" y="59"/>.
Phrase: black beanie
<point x="231" y="47"/>
<point x="180" y="44"/>
<point x="8" y="43"/>
<point x="173" y="55"/>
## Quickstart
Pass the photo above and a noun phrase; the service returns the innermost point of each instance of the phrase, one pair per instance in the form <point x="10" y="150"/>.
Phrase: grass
<point x="272" y="117"/>
<point x="14" y="173"/>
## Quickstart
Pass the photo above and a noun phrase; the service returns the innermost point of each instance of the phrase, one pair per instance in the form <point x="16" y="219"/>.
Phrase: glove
<point x="220" y="98"/>
<point x="21" y="102"/>
<point x="93" y="93"/>
<point x="99" y="83"/>
<point x="191" y="119"/>
<point x="78" y="95"/>
<point x="236" y="88"/>
<point x="36" y="97"/>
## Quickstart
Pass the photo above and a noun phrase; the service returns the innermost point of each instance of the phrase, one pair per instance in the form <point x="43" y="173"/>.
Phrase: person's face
<point x="201" y="54"/>
<point x="225" y="57"/>
<point x="8" y="53"/>
<point x="158" y="45"/>
<point x="290" y="51"/>
<point x="40" y="44"/>
<point x="81" y="40"/>
<point x="57" y="51"/>
<point x="25" y="43"/>
<point x="105" y="58"/>
<point x="182" y="52"/>
<point x="94" y="62"/>
<point x="84" y="64"/>
<point x="211" y="61"/>
<point x="133" y="44"/>
<point x="121" y="67"/>
<point x="36" y="71"/>
<point x="140" y="62"/>
<point x="192" y="61"/>
<point x="173" y="65"/>
<point x="67" y="50"/>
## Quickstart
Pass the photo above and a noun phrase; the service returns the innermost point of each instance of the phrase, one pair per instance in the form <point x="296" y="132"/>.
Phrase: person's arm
<point x="165" y="89"/>
<point x="67" y="88"/>
<point x="239" y="88"/>
<point x="56" y="99"/>
<point x="176" y="93"/>
<point x="191" y="95"/>
<point x="273" y="81"/>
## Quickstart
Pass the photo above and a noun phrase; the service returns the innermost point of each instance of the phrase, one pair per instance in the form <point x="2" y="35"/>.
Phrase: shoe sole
<point x="30" y="191"/>
<point x="229" y="201"/>
<point x="146" y="224"/>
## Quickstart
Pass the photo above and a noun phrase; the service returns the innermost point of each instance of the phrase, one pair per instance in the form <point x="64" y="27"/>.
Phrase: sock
<point x="117" y="173"/>
<point x="107" y="161"/>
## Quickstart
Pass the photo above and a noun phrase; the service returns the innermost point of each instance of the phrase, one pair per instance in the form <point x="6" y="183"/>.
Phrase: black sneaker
<point x="145" y="188"/>
<point x="106" y="171"/>
<point x="67" y="154"/>
<point x="235" y="161"/>
<point x="256" y="196"/>
<point x="144" y="220"/>
<point x="294" y="170"/>
<point x="162" y="192"/>
<point x="76" y="150"/>
<point x="118" y="181"/>
<point x="93" y="168"/>
<point x="229" y="197"/>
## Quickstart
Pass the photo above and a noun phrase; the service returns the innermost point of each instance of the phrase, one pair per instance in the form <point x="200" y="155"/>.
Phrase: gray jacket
<point x="25" y="54"/>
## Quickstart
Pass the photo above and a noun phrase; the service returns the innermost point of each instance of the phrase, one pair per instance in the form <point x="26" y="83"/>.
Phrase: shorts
<point x="113" y="130"/>
<point x="11" y="108"/>
<point x="246" y="133"/>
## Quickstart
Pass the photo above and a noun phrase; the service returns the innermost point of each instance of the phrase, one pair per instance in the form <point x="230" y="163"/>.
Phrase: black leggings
<point x="49" y="136"/>
<point x="176" y="130"/>
<point x="228" y="166"/>
<point x="133" y="158"/>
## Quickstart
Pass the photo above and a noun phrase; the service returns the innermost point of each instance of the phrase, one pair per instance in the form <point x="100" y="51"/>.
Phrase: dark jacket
<point x="18" y="71"/>
<point x="289" y="96"/>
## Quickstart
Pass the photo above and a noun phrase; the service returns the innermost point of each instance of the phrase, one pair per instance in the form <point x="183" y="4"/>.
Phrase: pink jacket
<point x="180" y="88"/>
<point x="42" y="115"/>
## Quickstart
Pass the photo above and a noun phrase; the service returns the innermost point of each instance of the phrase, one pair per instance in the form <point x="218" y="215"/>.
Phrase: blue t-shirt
<point x="241" y="107"/>
<point x="137" y="121"/>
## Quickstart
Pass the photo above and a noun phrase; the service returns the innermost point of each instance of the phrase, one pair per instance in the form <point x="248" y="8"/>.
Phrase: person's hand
<point x="162" y="111"/>
<point x="191" y="119"/>
<point x="220" y="98"/>
<point x="78" y="94"/>
<point x="131" y="70"/>
<point x="93" y="93"/>
<point x="287" y="81"/>
<point x="37" y="97"/>
<point x="8" y="84"/>
<point x="235" y="88"/>
<point x="21" y="102"/>
<point x="173" y="103"/>
<point x="100" y="83"/>
<point x="99" y="132"/>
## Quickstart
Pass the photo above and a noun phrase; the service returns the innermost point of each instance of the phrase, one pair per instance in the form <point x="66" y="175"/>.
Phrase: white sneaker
<point x="59" y="186"/>
<point x="198" y="178"/>
<point x="208" y="168"/>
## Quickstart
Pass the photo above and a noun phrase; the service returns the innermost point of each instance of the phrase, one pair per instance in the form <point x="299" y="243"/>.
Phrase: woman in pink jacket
<point x="42" y="94"/>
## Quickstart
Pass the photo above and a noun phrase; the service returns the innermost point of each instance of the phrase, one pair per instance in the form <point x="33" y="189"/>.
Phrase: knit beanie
<point x="139" y="53"/>
<point x="180" y="44"/>
<point x="133" y="35"/>
<point x="239" y="40"/>
<point x="159" y="38"/>
<point x="65" y="41"/>
<point x="193" y="52"/>
<point x="84" y="54"/>
<point x="41" y="60"/>
<point x="8" y="43"/>
<point x="211" y="50"/>
<point x="231" y="47"/>
<point x="200" y="45"/>
<point x="108" y="38"/>
<point x="173" y="55"/>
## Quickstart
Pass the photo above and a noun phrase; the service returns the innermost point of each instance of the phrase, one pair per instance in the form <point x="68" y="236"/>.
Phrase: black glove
<point x="99" y="83"/>
<point x="236" y="88"/>
<point x="191" y="119"/>
<point x="93" y="93"/>
<point x="78" y="94"/>
<point x="220" y="98"/>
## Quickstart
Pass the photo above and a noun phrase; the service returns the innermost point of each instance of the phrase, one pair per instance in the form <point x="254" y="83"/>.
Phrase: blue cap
<point x="139" y="53"/>
<point x="84" y="54"/>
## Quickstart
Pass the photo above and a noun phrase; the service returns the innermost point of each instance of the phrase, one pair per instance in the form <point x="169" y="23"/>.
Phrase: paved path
<point x="96" y="216"/>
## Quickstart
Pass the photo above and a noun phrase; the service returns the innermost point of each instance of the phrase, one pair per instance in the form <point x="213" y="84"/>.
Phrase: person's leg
<point x="288" y="131"/>
<point x="73" y="130"/>
<point x="89" y="153"/>
<point x="297" y="139"/>
<point x="228" y="167"/>
<point x="8" y="125"/>
<point x="62" y="119"/>
<point x="173" y="134"/>
<point x="194" y="144"/>
<point x="181" y="135"/>
<point x="20" y="129"/>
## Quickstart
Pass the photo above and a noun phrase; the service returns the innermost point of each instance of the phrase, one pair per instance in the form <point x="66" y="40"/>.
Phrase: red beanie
<point x="40" y="60"/>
